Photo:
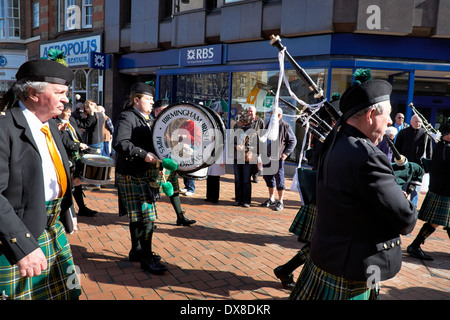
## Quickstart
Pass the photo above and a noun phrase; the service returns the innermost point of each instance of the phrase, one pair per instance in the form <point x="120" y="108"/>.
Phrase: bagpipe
<point x="429" y="130"/>
<point x="408" y="175"/>
<point x="308" y="116"/>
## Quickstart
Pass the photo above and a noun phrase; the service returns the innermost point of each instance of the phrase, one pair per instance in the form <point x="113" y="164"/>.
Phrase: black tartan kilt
<point x="316" y="284"/>
<point x="435" y="209"/>
<point x="304" y="221"/>
<point x="59" y="281"/>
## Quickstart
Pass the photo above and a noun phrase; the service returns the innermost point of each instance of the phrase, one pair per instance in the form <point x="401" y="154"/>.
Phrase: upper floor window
<point x="10" y="19"/>
<point x="87" y="14"/>
<point x="187" y="5"/>
<point x="35" y="15"/>
<point x="77" y="14"/>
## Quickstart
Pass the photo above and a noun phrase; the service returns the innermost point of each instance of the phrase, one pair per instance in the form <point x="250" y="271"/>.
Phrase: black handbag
<point x="307" y="183"/>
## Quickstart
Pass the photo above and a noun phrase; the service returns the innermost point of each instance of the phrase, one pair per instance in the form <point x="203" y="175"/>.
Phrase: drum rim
<point x="90" y="157"/>
<point x="212" y="119"/>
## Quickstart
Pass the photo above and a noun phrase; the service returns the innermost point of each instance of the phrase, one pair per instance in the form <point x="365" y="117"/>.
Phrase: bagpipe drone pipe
<point x="408" y="175"/>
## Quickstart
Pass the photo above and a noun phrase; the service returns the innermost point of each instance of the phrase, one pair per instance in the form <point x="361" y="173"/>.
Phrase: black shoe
<point x="268" y="203"/>
<point x="185" y="222"/>
<point x="86" y="212"/>
<point x="287" y="280"/>
<point x="279" y="206"/>
<point x="418" y="253"/>
<point x="134" y="256"/>
<point x="154" y="266"/>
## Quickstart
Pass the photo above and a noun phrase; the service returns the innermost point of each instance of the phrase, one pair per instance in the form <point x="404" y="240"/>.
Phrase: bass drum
<point x="190" y="134"/>
<point x="200" y="174"/>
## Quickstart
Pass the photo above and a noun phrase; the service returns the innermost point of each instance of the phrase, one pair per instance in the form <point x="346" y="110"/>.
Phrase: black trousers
<point x="212" y="188"/>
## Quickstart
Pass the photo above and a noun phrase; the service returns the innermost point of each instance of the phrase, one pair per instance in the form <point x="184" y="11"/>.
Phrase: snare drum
<point x="96" y="169"/>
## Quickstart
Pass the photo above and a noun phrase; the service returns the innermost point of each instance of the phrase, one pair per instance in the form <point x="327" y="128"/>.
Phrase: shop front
<point x="9" y="65"/>
<point x="229" y="77"/>
<point x="88" y="81"/>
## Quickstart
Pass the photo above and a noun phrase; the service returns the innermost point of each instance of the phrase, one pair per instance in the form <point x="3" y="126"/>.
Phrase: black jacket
<point x="132" y="140"/>
<point x="22" y="201"/>
<point x="413" y="144"/>
<point x="70" y="144"/>
<point x="440" y="169"/>
<point x="361" y="210"/>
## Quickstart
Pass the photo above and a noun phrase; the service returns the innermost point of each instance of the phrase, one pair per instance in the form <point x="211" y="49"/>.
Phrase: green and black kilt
<point x="138" y="195"/>
<point x="316" y="284"/>
<point x="435" y="209"/>
<point x="304" y="221"/>
<point x="58" y="282"/>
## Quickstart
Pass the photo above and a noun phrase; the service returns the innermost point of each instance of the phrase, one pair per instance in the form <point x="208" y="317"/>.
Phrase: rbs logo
<point x="200" y="54"/>
<point x="205" y="55"/>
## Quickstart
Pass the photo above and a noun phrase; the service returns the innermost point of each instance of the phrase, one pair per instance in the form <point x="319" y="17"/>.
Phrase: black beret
<point x="161" y="103"/>
<point x="360" y="96"/>
<point x="44" y="71"/>
<point x="142" y="88"/>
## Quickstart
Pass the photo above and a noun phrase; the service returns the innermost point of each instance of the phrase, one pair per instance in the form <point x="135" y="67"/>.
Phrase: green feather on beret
<point x="58" y="56"/>
<point x="362" y="75"/>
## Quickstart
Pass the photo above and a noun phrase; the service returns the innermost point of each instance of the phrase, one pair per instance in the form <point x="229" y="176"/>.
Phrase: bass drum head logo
<point x="190" y="134"/>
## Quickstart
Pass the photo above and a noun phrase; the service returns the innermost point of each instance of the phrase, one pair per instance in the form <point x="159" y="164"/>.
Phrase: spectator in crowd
<point x="71" y="138"/>
<point x="400" y="123"/>
<point x="391" y="132"/>
<point x="246" y="149"/>
<point x="273" y="172"/>
<point x="414" y="143"/>
<point x="108" y="131"/>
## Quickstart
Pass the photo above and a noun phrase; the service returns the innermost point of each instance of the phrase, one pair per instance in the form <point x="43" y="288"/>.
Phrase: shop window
<point x="93" y="85"/>
<point x="432" y="96"/>
<point x="209" y="90"/>
<point x="341" y="79"/>
<point x="252" y="88"/>
<point x="86" y="84"/>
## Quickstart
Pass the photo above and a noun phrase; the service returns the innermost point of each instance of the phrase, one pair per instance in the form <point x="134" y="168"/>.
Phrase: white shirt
<point x="51" y="186"/>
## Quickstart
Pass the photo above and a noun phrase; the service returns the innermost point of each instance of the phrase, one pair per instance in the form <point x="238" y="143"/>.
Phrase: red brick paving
<point x="229" y="254"/>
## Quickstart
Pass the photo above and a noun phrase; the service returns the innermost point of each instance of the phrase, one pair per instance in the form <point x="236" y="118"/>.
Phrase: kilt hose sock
<point x="141" y="234"/>
<point x="297" y="260"/>
<point x="426" y="230"/>
<point x="79" y="197"/>
<point x="176" y="204"/>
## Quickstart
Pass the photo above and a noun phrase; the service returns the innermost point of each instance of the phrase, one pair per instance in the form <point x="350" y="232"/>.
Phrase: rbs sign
<point x="197" y="56"/>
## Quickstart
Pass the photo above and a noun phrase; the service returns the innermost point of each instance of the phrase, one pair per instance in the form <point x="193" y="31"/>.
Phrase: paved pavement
<point x="229" y="254"/>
